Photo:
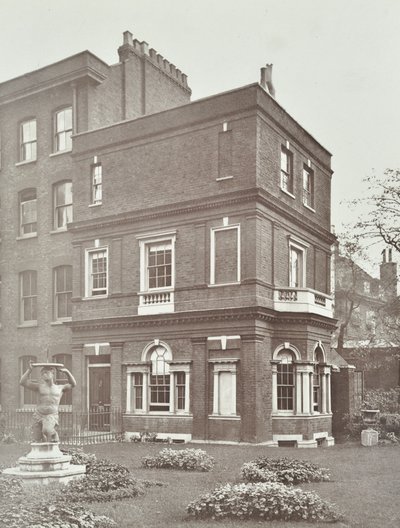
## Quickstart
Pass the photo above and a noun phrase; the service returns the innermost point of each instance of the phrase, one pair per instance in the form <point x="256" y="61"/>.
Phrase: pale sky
<point x="336" y="62"/>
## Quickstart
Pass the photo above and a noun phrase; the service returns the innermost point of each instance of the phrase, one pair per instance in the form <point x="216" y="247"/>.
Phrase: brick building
<point x="361" y="301"/>
<point x="367" y="312"/>
<point x="175" y="254"/>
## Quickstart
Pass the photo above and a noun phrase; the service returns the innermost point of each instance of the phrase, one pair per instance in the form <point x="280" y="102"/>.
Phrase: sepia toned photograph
<point x="199" y="264"/>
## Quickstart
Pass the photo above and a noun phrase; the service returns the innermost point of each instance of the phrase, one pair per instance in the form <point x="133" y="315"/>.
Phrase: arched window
<point x="160" y="379"/>
<point x="28" y="397"/>
<point x="62" y="201"/>
<point x="62" y="292"/>
<point x="28" y="296"/>
<point x="61" y="378"/>
<point x="317" y="381"/>
<point x="285" y="381"/>
<point x="27" y="213"/>
<point x="159" y="384"/>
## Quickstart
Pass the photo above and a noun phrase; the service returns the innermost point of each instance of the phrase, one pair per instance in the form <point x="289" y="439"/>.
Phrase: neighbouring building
<point x="367" y="313"/>
<point x="175" y="255"/>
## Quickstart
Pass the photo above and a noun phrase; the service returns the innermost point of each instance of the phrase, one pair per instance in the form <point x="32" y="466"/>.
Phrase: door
<point x="99" y="398"/>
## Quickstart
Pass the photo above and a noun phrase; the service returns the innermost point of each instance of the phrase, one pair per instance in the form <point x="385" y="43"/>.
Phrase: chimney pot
<point x="266" y="79"/>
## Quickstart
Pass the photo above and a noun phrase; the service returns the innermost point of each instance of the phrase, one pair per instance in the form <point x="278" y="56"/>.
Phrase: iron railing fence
<point x="75" y="427"/>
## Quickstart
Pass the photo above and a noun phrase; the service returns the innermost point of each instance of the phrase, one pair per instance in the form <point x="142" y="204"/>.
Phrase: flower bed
<point x="40" y="507"/>
<point x="284" y="470"/>
<point x="187" y="459"/>
<point x="268" y="501"/>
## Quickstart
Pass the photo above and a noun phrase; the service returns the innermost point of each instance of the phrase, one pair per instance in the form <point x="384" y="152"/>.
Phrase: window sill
<point x="224" y="284"/>
<point x="94" y="297"/>
<point x="25" y="237"/>
<point x="288" y="193"/>
<point x="224" y="417"/>
<point x="60" y="322"/>
<point x="223" y="178"/>
<point x="95" y="204"/>
<point x="154" y="414"/>
<point x="301" y="416"/>
<point x="309" y="207"/>
<point x="60" y="153"/>
<point x="25" y="162"/>
<point x="31" y="324"/>
<point x="57" y="231"/>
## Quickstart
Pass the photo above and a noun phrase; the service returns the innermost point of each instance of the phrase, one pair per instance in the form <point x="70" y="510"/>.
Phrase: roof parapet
<point x="141" y="49"/>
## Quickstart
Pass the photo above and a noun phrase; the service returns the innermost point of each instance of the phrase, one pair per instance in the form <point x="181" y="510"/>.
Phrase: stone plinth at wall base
<point x="45" y="464"/>
<point x="329" y="441"/>
<point x="307" y="443"/>
<point x="271" y="443"/>
<point x="369" y="438"/>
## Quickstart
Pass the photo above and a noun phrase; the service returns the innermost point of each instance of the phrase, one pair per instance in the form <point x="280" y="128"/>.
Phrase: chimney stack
<point x="266" y="79"/>
<point x="388" y="274"/>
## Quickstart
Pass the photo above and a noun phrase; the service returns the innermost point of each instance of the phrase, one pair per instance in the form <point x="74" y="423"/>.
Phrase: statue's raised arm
<point x="26" y="382"/>
<point x="71" y="380"/>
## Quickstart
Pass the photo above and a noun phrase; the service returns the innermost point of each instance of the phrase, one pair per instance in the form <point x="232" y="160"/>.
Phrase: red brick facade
<point x="201" y="285"/>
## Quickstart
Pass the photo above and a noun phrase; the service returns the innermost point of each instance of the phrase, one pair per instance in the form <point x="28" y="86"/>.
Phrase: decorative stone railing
<point x="303" y="300"/>
<point x="156" y="302"/>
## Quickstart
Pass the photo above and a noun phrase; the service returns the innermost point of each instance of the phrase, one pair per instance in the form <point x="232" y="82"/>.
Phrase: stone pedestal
<point x="369" y="437"/>
<point x="44" y="464"/>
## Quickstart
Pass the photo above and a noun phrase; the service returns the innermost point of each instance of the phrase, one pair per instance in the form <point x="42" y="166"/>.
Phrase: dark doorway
<point x="99" y="398"/>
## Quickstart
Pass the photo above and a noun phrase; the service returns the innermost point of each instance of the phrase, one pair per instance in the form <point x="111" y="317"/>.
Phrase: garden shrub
<point x="104" y="481"/>
<point x="388" y="426"/>
<point x="79" y="457"/>
<point x="265" y="500"/>
<point x="42" y="507"/>
<point x="387" y="401"/>
<point x="284" y="470"/>
<point x="188" y="459"/>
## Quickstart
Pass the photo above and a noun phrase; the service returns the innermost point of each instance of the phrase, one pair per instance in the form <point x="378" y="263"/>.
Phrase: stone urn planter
<point x="369" y="437"/>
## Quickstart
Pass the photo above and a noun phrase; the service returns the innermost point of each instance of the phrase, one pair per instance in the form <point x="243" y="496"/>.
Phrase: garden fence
<point x="75" y="428"/>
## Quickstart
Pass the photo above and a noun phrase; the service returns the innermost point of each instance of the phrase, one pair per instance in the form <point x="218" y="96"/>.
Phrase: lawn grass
<point x="365" y="484"/>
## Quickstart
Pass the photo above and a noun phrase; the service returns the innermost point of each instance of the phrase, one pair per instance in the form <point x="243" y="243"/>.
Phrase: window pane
<point x="285" y="386"/>
<point x="226" y="404"/>
<point x="159" y="270"/>
<point x="180" y="378"/>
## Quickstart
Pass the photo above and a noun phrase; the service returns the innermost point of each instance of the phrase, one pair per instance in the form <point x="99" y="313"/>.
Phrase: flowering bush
<point x="40" y="507"/>
<point x="189" y="459"/>
<point x="104" y="481"/>
<point x="264" y="500"/>
<point x="284" y="470"/>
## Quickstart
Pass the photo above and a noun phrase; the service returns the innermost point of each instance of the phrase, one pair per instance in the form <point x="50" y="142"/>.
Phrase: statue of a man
<point x="45" y="417"/>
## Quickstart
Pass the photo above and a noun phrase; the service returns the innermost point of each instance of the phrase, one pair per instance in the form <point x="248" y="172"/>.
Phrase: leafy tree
<point x="381" y="219"/>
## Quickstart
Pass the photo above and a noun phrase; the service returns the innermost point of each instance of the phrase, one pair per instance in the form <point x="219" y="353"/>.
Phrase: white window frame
<point x="57" y="206"/>
<point x="144" y="368"/>
<point x="228" y="365"/>
<point x="212" y="254"/>
<point x="32" y="141"/>
<point x="279" y="358"/>
<point x="289" y="174"/>
<point x="22" y="202"/>
<point x="308" y="178"/>
<point x="96" y="183"/>
<point x="155" y="300"/>
<point x="34" y="297"/>
<point x="64" y="131"/>
<point x="58" y="293"/>
<point x="88" y="272"/>
<point x="301" y="249"/>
